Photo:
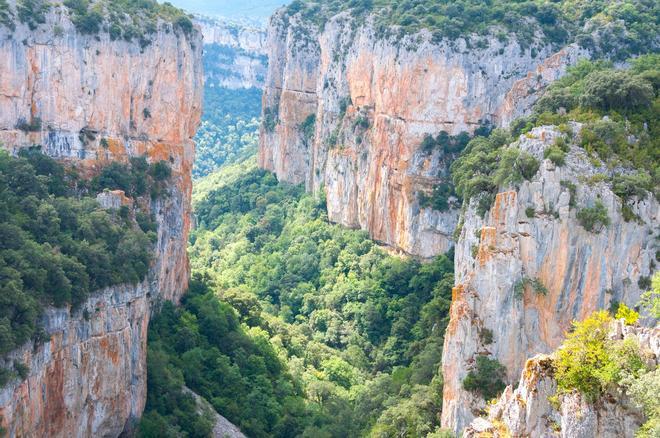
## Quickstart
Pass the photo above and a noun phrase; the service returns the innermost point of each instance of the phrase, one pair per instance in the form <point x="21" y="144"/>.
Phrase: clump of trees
<point x="590" y="362"/>
<point x="618" y="127"/>
<point x="229" y="131"/>
<point x="594" y="218"/>
<point x="487" y="379"/>
<point x="487" y="165"/>
<point x="57" y="245"/>
<point x="126" y="19"/>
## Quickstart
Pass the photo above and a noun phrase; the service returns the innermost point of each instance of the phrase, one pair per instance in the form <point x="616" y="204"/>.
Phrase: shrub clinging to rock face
<point x="595" y="218"/>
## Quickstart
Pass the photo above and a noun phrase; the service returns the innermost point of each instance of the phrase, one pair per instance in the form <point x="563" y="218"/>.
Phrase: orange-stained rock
<point x="582" y="271"/>
<point x="100" y="101"/>
<point x="372" y="176"/>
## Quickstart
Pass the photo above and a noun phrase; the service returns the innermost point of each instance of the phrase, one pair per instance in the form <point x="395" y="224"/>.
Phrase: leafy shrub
<point x="595" y="218"/>
<point x="32" y="12"/>
<point x="449" y="144"/>
<point x="572" y="190"/>
<point x="439" y="199"/>
<point x="650" y="301"/>
<point x="308" y="126"/>
<point x="487" y="379"/>
<point x="638" y="185"/>
<point x="590" y="362"/>
<point x="361" y="122"/>
<point x="611" y="90"/>
<point x="534" y="283"/>
<point x="629" y="316"/>
<point x="530" y="212"/>
<point x="6" y="15"/>
<point x="644" y="283"/>
<point x="486" y="336"/>
<point x="644" y="392"/>
<point x="556" y="155"/>
<point x="271" y="118"/>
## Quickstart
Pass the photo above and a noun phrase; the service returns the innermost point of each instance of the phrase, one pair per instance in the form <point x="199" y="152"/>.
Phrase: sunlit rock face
<point x="527" y="410"/>
<point x="345" y="112"/>
<point x="582" y="271"/>
<point x="237" y="55"/>
<point x="92" y="101"/>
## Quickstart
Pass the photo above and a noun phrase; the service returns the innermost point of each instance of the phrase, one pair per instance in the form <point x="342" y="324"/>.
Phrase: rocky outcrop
<point x="345" y="112"/>
<point x="236" y="54"/>
<point x="527" y="411"/>
<point x="88" y="101"/>
<point x="531" y="233"/>
<point x="222" y="428"/>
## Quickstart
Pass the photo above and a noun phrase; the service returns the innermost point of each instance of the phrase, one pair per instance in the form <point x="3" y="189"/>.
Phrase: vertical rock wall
<point x="583" y="271"/>
<point x="100" y="101"/>
<point x="345" y="112"/>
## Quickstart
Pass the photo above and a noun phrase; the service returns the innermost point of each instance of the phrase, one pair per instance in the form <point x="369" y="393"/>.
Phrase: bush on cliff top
<point x="619" y="110"/>
<point x="56" y="245"/>
<point x="123" y="19"/>
<point x="590" y="362"/>
<point x="631" y="25"/>
<point x="619" y="127"/>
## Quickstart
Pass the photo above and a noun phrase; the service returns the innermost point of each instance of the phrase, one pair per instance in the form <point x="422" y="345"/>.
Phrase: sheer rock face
<point x="369" y="102"/>
<point x="100" y="101"/>
<point x="582" y="271"/>
<point x="243" y="60"/>
<point x="527" y="411"/>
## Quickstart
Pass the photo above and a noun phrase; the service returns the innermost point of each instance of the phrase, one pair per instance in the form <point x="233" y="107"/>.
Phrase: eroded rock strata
<point x="532" y="232"/>
<point x="91" y="101"/>
<point x="345" y="112"/>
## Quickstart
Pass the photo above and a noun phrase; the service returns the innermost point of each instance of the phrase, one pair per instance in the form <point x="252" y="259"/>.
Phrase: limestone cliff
<point x="90" y="100"/>
<point x="527" y="410"/>
<point x="346" y="110"/>
<point x="532" y="233"/>
<point x="236" y="54"/>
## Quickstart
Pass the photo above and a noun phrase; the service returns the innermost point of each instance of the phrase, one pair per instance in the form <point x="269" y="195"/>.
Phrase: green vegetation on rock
<point x="623" y="28"/>
<point x="590" y="362"/>
<point x="122" y="19"/>
<point x="486" y="379"/>
<point x="57" y="245"/>
<point x="619" y="128"/>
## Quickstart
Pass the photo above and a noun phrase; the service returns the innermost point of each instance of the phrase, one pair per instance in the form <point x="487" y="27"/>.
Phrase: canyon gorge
<point x="402" y="237"/>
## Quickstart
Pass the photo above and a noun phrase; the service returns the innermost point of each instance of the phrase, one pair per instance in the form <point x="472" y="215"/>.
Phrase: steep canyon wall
<point x="92" y="100"/>
<point x="533" y="233"/>
<point x="237" y="55"/>
<point x="345" y="112"/>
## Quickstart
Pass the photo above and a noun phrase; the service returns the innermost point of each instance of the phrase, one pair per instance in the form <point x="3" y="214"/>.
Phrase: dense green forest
<point x="57" y="244"/>
<point x="632" y="25"/>
<point x="326" y="333"/>
<point x="229" y="131"/>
